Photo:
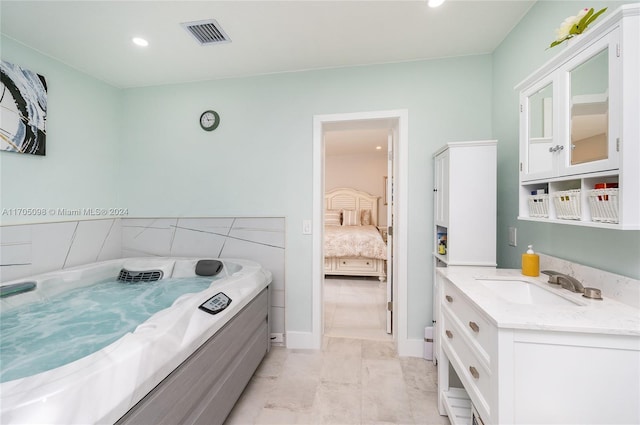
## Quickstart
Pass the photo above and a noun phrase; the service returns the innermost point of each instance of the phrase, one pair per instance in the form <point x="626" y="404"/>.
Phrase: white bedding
<point x="354" y="241"/>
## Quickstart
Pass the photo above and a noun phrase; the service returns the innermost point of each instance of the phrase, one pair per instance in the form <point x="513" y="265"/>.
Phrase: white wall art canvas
<point x="23" y="110"/>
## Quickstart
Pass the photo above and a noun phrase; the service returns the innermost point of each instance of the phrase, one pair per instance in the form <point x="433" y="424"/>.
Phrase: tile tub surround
<point x="348" y="381"/>
<point x="621" y="288"/>
<point x="30" y="249"/>
<point x="259" y="239"/>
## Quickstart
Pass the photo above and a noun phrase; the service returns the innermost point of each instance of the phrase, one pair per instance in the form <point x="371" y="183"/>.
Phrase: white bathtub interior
<point x="83" y="391"/>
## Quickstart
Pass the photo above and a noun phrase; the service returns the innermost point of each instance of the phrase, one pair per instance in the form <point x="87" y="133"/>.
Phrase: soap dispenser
<point x="530" y="263"/>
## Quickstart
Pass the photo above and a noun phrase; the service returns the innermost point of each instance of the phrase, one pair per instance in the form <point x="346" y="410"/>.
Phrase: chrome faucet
<point x="566" y="281"/>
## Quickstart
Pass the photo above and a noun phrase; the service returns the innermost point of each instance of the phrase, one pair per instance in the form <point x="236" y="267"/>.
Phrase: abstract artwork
<point x="23" y="110"/>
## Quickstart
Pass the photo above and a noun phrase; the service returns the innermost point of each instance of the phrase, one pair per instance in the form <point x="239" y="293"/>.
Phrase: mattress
<point x="354" y="241"/>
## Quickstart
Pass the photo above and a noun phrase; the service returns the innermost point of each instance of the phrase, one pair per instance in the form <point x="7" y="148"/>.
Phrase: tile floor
<point x="357" y="377"/>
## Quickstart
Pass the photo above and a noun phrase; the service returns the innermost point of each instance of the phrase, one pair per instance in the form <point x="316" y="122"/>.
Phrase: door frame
<point x="399" y="120"/>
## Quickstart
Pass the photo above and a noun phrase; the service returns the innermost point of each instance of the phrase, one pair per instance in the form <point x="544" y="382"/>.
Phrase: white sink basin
<point x="522" y="292"/>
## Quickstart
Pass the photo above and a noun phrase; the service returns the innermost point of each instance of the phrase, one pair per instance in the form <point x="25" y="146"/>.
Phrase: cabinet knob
<point x="474" y="326"/>
<point x="449" y="298"/>
<point x="449" y="334"/>
<point x="474" y="372"/>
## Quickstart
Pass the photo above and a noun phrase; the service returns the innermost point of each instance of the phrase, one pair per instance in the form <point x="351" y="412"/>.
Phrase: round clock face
<point x="209" y="120"/>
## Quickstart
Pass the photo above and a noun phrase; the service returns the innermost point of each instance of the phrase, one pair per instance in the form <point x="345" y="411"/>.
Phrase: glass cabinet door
<point x="540" y="138"/>
<point x="592" y="126"/>
<point x="539" y="130"/>
<point x="590" y="110"/>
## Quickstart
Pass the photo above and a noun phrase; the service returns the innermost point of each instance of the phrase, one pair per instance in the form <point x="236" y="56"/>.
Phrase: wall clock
<point x="209" y="120"/>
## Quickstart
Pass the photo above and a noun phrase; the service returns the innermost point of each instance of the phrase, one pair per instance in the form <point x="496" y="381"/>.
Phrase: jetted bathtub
<point x="181" y="365"/>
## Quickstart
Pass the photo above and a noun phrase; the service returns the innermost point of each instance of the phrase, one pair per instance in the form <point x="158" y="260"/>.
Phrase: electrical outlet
<point x="513" y="240"/>
<point x="277" y="338"/>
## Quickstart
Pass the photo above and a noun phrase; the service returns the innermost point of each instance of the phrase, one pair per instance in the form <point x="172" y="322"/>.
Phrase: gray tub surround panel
<point x="205" y="387"/>
<point x="261" y="239"/>
<point x="31" y="249"/>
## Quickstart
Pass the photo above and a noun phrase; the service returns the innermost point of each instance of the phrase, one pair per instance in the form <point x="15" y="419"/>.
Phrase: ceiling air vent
<point x="206" y="32"/>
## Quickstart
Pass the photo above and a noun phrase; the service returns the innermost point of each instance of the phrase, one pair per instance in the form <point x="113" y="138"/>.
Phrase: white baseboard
<point x="302" y="340"/>
<point x="411" y="348"/>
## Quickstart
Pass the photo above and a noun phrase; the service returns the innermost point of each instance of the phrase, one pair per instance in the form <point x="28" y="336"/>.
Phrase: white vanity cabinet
<point x="579" y="128"/>
<point x="517" y="373"/>
<point x="468" y="341"/>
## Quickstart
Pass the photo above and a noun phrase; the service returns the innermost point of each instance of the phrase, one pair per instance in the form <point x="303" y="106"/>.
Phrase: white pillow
<point x="350" y="218"/>
<point x="365" y="217"/>
<point x="332" y="217"/>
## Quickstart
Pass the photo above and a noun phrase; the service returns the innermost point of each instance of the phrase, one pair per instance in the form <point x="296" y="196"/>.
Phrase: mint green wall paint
<point x="83" y="142"/>
<point x="522" y="52"/>
<point x="258" y="161"/>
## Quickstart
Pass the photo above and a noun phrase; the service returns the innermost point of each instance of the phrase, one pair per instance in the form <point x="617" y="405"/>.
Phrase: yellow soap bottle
<point x="530" y="263"/>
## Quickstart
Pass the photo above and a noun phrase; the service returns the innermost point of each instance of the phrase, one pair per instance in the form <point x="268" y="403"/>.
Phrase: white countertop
<point x="606" y="316"/>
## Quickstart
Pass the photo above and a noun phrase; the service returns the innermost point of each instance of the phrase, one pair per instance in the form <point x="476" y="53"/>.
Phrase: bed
<point x="353" y="245"/>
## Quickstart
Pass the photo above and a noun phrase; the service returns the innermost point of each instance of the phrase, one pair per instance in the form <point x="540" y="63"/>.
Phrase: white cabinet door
<point x="591" y="113"/>
<point x="441" y="181"/>
<point x="539" y="130"/>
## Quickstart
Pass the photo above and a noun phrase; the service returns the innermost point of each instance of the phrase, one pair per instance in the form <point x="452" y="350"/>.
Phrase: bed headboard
<point x="351" y="199"/>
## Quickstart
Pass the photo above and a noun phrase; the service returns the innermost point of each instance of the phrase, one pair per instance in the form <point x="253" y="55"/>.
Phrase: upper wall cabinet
<point x="580" y="129"/>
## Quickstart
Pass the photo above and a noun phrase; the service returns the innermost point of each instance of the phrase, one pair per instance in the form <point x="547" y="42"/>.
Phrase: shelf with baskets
<point x="592" y="201"/>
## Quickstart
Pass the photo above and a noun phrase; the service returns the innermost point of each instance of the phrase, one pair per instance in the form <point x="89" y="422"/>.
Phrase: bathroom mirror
<point x="540" y="135"/>
<point x="590" y="109"/>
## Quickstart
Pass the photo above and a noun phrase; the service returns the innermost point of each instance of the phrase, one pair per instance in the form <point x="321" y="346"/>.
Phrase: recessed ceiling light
<point x="435" y="3"/>
<point x="378" y="147"/>
<point x="140" y="41"/>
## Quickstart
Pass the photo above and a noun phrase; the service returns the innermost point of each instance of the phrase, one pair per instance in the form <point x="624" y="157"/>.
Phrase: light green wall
<point x="522" y="52"/>
<point x="259" y="161"/>
<point x="143" y="149"/>
<point x="83" y="139"/>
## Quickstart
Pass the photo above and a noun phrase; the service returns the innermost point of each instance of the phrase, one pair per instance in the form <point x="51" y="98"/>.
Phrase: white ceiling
<point x="266" y="36"/>
<point x="360" y="137"/>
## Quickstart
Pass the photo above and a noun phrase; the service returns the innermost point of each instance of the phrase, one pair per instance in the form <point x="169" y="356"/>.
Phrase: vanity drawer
<point x="472" y="370"/>
<point x="479" y="329"/>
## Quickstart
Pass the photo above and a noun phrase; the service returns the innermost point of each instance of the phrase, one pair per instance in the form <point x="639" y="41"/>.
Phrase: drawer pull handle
<point x="449" y="334"/>
<point x="367" y="263"/>
<point x="449" y="298"/>
<point x="474" y="326"/>
<point x="474" y="372"/>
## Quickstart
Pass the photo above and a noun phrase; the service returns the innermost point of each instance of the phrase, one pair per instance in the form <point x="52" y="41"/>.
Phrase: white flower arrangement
<point x="575" y="25"/>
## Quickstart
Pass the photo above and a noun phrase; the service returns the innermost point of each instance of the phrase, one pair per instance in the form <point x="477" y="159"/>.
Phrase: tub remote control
<point x="216" y="304"/>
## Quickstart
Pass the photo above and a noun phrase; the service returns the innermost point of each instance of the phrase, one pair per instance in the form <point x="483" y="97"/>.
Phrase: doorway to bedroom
<point x="356" y="287"/>
<point x="357" y="161"/>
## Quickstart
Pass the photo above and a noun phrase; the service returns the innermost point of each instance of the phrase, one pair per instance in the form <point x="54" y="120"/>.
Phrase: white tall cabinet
<point x="464" y="210"/>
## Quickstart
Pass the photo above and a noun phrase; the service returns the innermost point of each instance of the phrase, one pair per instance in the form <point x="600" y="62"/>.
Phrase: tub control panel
<point x="216" y="304"/>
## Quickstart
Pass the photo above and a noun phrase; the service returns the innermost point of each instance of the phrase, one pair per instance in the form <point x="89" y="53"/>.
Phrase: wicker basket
<point x="567" y="203"/>
<point x="604" y="205"/>
<point x="539" y="206"/>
